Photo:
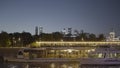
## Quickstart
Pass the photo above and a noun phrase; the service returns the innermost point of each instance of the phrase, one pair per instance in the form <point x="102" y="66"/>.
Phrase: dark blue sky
<point x="94" y="16"/>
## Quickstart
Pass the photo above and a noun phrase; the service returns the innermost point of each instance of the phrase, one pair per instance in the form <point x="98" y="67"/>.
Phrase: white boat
<point x="105" y="56"/>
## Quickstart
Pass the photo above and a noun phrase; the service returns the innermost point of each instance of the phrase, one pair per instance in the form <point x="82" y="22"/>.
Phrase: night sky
<point x="93" y="16"/>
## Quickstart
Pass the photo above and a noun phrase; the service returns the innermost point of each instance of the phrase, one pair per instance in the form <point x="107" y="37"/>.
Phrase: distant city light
<point x="69" y="50"/>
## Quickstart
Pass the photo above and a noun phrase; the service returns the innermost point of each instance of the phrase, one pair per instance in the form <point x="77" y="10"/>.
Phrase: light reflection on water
<point x="53" y="65"/>
<point x="42" y="65"/>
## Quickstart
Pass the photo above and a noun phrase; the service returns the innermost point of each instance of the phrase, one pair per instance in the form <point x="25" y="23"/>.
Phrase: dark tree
<point x="26" y="38"/>
<point x="92" y="37"/>
<point x="57" y="36"/>
<point x="82" y="36"/>
<point x="4" y="39"/>
<point x="101" y="37"/>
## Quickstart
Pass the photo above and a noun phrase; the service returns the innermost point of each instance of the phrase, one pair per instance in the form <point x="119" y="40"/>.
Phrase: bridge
<point x="65" y="43"/>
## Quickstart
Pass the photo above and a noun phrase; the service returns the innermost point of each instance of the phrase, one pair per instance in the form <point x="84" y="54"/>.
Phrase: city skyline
<point x="93" y="16"/>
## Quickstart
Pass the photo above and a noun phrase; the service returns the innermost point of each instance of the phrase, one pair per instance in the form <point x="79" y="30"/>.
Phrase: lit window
<point x="100" y="55"/>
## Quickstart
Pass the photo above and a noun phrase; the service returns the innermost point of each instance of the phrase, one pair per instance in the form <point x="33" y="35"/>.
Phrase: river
<point x="54" y="65"/>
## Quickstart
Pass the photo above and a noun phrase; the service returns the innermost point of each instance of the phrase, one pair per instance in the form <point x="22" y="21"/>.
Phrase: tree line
<point x="25" y="38"/>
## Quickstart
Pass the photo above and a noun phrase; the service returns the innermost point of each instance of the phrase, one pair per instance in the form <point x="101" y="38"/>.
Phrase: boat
<point x="102" y="57"/>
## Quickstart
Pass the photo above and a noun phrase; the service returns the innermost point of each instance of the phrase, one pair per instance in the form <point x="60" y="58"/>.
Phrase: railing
<point x="44" y="43"/>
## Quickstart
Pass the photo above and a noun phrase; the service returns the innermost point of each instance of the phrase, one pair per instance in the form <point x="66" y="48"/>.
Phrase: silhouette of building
<point x="36" y="30"/>
<point x="39" y="30"/>
<point x="70" y="31"/>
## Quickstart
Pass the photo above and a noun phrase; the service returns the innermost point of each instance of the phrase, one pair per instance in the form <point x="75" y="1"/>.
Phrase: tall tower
<point x="40" y="30"/>
<point x="69" y="30"/>
<point x="36" y="30"/>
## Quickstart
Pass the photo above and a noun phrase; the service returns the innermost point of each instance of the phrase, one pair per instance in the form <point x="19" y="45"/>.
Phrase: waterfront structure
<point x="74" y="50"/>
<point x="74" y="44"/>
<point x="107" y="56"/>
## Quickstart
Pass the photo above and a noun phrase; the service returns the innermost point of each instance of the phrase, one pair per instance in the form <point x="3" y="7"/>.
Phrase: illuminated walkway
<point x="77" y="43"/>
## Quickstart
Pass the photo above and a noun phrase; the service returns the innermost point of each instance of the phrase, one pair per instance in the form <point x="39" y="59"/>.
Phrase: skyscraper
<point x="70" y="31"/>
<point x="36" y="30"/>
<point x="40" y="30"/>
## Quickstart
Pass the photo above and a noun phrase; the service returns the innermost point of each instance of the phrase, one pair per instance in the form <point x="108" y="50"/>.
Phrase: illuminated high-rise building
<point x="64" y="32"/>
<point x="40" y="30"/>
<point x="70" y="31"/>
